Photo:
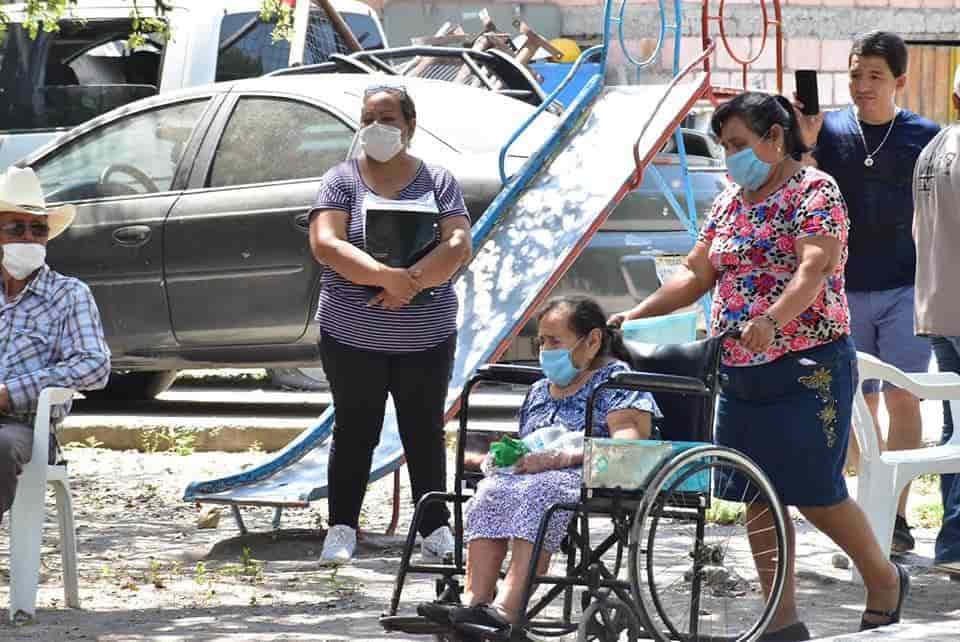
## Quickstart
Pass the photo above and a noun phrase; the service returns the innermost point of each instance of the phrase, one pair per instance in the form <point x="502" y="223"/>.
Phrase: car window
<point x="275" y="139"/>
<point x="248" y="48"/>
<point x="72" y="73"/>
<point x="138" y="154"/>
<point x="322" y="39"/>
<point x="365" y="29"/>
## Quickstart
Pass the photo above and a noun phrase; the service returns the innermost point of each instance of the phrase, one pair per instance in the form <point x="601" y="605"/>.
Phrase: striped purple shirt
<point x="342" y="311"/>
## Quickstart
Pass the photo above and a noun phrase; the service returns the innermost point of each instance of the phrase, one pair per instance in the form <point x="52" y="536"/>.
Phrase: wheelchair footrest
<point x="412" y="624"/>
<point x="489" y="632"/>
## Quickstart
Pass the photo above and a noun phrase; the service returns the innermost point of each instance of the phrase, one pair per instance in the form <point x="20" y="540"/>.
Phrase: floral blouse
<point x="752" y="247"/>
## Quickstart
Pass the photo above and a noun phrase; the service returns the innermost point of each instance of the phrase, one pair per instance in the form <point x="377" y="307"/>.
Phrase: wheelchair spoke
<point x="702" y="574"/>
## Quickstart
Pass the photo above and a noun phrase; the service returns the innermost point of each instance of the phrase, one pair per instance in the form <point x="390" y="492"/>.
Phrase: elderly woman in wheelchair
<point x="644" y="465"/>
<point x="578" y="353"/>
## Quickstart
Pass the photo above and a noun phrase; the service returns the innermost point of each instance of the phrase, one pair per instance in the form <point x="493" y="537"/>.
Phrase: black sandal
<point x="894" y="615"/>
<point x="793" y="632"/>
<point x="482" y="619"/>
<point x="438" y="611"/>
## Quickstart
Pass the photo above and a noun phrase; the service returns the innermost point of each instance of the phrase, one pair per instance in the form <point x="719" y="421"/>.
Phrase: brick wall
<point x="817" y="35"/>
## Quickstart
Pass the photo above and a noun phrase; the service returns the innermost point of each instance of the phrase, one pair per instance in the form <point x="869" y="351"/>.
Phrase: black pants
<point x="360" y="380"/>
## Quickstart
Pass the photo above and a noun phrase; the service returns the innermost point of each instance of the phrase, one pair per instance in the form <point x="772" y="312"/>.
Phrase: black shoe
<point x="484" y="617"/>
<point x="438" y="612"/>
<point x="902" y="539"/>
<point x="796" y="631"/>
<point x="892" y="616"/>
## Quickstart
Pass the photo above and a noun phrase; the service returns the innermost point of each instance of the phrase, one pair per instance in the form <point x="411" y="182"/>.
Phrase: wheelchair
<point x="673" y="560"/>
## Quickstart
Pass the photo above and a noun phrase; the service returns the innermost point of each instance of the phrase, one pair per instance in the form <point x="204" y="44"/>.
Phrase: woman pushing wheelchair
<point x="773" y="251"/>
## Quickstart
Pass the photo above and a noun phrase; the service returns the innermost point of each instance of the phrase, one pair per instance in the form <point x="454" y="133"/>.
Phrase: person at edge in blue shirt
<point x="871" y="148"/>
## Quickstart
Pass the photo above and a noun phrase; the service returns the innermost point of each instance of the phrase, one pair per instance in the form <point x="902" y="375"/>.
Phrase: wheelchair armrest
<point x="652" y="382"/>
<point x="507" y="373"/>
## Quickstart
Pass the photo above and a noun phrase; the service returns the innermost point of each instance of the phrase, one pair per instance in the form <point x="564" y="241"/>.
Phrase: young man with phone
<point x="871" y="148"/>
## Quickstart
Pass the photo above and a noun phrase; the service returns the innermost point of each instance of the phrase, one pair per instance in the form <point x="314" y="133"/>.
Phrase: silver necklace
<point x="868" y="161"/>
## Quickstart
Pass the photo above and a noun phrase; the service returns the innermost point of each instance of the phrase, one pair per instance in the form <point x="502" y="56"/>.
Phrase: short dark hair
<point x="760" y="112"/>
<point x="882" y="44"/>
<point x="587" y="315"/>
<point x="407" y="108"/>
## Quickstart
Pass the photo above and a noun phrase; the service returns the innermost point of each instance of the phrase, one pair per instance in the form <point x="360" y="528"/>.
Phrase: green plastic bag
<point x="507" y="451"/>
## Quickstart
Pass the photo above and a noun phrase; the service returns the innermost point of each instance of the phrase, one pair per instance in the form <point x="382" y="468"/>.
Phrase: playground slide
<point x="523" y="244"/>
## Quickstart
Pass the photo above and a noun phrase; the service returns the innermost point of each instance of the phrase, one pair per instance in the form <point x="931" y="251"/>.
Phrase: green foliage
<point x="141" y="25"/>
<point x="271" y="10"/>
<point x="44" y="15"/>
<point x="89" y="442"/>
<point x="725" y="513"/>
<point x="179" y="441"/>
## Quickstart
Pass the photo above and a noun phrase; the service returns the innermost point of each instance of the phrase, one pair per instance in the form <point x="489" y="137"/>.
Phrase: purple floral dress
<point x="507" y="505"/>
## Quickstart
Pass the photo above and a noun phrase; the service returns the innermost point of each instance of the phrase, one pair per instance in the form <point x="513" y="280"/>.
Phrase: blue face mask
<point x="747" y="170"/>
<point x="558" y="366"/>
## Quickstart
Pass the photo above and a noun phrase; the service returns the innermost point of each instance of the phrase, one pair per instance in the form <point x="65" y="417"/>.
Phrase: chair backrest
<point x="685" y="418"/>
<point x="870" y="367"/>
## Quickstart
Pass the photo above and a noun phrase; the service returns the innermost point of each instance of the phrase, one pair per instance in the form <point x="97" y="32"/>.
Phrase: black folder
<point x="399" y="237"/>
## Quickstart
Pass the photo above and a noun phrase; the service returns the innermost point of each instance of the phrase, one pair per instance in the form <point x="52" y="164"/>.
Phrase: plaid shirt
<point x="51" y="336"/>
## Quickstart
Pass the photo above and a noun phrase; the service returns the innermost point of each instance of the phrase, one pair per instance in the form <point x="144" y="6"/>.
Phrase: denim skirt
<point x="791" y="417"/>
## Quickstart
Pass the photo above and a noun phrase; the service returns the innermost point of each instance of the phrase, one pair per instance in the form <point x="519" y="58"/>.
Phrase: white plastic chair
<point x="29" y="512"/>
<point x="883" y="476"/>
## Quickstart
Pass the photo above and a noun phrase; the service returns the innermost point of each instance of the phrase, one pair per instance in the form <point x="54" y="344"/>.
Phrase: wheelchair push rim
<point x="709" y="561"/>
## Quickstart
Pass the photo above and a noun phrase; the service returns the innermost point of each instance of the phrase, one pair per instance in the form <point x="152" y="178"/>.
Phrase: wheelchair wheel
<point x="608" y="619"/>
<point x="692" y="567"/>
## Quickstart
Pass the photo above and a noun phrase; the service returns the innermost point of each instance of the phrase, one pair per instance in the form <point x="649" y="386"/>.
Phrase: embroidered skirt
<point x="792" y="417"/>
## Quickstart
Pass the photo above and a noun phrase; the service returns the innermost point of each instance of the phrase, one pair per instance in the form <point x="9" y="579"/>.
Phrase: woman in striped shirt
<point x="373" y="340"/>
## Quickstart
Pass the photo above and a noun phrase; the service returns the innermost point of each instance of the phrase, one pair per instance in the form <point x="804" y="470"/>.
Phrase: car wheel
<point x="134" y="385"/>
<point x="312" y="379"/>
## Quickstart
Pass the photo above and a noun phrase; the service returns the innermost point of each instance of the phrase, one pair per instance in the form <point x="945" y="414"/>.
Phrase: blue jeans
<point x="947" y="351"/>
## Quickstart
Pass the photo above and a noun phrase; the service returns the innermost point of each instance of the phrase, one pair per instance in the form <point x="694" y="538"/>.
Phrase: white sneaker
<point x="439" y="543"/>
<point x="338" y="545"/>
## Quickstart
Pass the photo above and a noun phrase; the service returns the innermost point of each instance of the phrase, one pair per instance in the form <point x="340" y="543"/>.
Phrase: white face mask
<point x="20" y="260"/>
<point x="381" y="142"/>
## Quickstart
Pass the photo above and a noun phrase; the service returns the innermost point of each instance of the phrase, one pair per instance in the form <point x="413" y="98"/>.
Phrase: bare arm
<point x="818" y="257"/>
<point x="630" y="423"/>
<point x="329" y="245"/>
<point x="453" y="251"/>
<point x="697" y="277"/>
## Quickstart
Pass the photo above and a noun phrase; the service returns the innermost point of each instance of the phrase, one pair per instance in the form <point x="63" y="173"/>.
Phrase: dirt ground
<point x="148" y="573"/>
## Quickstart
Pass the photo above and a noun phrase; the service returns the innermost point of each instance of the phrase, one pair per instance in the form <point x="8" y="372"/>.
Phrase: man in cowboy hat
<point x="49" y="323"/>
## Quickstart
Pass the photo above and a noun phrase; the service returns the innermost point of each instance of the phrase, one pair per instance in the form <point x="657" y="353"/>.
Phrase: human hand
<point x="399" y="283"/>
<point x="387" y="301"/>
<point x="487" y="467"/>
<point x="809" y="125"/>
<point x="758" y="334"/>
<point x="541" y="460"/>
<point x="616" y="320"/>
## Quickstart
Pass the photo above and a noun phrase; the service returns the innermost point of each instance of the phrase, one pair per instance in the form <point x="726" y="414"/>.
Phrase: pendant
<point x="868" y="161"/>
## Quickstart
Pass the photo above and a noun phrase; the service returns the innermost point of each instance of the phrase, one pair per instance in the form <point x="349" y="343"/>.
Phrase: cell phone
<point x="807" y="91"/>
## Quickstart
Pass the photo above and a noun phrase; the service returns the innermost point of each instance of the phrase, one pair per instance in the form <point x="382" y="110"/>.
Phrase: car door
<point x="238" y="264"/>
<point x="123" y="178"/>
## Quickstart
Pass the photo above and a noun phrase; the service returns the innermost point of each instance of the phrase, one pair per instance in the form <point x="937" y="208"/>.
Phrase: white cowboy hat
<point x="20" y="191"/>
